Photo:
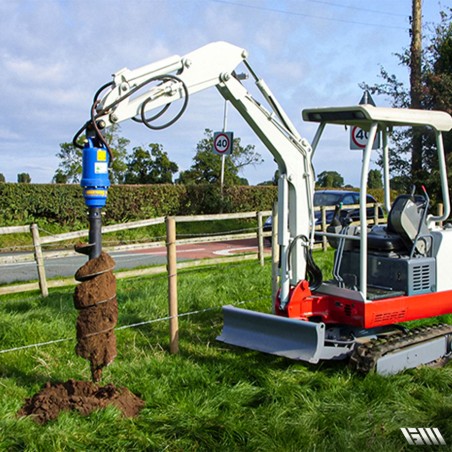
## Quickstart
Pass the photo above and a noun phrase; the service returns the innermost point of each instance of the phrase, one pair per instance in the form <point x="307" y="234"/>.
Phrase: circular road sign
<point x="359" y="137"/>
<point x="222" y="143"/>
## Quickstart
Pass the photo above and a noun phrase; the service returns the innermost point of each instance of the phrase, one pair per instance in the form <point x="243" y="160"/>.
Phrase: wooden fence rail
<point x="14" y="229"/>
<point x="39" y="255"/>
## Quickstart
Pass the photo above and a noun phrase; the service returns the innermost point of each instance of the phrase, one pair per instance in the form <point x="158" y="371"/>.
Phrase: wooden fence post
<point x="260" y="238"/>
<point x="172" y="284"/>
<point x="376" y="219"/>
<point x="440" y="212"/>
<point x="39" y="260"/>
<point x="275" y="256"/>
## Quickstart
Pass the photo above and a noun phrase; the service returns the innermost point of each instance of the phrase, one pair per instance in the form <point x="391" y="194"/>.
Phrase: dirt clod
<point x="95" y="298"/>
<point x="82" y="396"/>
<point x="95" y="266"/>
<point x="96" y="290"/>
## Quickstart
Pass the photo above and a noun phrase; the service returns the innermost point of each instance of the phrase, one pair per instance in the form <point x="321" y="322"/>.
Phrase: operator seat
<point x="405" y="220"/>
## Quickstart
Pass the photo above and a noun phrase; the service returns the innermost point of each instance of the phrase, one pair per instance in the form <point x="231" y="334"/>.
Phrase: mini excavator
<point x="383" y="276"/>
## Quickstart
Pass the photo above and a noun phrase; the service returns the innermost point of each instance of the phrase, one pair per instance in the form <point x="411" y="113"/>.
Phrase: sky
<point x="55" y="54"/>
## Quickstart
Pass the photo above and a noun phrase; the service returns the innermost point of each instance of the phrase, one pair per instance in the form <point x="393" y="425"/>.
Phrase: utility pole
<point x="416" y="84"/>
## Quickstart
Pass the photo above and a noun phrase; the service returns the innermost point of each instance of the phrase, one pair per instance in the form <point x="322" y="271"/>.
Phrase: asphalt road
<point x="67" y="266"/>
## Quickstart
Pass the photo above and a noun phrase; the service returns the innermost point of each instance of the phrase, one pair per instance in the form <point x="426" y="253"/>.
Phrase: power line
<point x="312" y="16"/>
<point x="358" y="8"/>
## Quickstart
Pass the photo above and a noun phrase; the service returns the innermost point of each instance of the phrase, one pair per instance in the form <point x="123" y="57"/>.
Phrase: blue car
<point x="334" y="198"/>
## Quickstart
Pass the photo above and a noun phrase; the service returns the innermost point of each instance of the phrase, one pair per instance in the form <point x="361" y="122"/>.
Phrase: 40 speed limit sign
<point x="359" y="139"/>
<point x="222" y="142"/>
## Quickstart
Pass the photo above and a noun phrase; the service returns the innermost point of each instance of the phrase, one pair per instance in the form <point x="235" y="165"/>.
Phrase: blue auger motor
<point x="95" y="183"/>
<point x="95" y="180"/>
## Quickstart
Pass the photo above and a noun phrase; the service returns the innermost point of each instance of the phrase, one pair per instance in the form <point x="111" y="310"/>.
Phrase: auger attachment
<point x="95" y="297"/>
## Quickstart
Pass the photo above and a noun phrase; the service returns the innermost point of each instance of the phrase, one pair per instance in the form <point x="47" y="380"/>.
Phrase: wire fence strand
<point x="124" y="327"/>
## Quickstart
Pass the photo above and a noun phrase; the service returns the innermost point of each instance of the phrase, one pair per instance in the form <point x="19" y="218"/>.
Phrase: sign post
<point x="222" y="145"/>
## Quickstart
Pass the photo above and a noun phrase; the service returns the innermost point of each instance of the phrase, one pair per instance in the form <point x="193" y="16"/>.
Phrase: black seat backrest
<point x="404" y="221"/>
<point x="406" y="217"/>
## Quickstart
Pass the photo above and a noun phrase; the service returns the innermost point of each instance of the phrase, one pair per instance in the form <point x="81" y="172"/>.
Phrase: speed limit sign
<point x="359" y="139"/>
<point x="222" y="142"/>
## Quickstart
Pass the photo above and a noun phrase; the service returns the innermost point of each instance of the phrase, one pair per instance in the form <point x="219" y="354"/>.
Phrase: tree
<point x="330" y="179"/>
<point x="2" y="178"/>
<point x="438" y="77"/>
<point x="59" y="177"/>
<point x="23" y="178"/>
<point x="374" y="179"/>
<point x="70" y="166"/>
<point x="436" y="93"/>
<point x="150" y="167"/>
<point x="206" y="167"/>
<point x="439" y="67"/>
<point x="118" y="146"/>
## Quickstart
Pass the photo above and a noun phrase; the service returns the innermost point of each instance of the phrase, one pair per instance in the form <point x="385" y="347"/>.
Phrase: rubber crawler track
<point x="365" y="356"/>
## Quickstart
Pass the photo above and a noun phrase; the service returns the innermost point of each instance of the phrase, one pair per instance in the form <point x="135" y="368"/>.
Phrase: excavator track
<point x="366" y="356"/>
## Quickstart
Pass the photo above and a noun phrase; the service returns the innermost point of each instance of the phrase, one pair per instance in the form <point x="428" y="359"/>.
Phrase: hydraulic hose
<point x="313" y="273"/>
<point x="94" y="114"/>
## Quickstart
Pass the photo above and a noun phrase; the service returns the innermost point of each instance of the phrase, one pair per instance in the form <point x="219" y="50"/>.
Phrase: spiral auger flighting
<point x="95" y="298"/>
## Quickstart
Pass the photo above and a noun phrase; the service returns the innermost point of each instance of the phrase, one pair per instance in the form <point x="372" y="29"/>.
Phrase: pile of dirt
<point x="82" y="396"/>
<point x="95" y="298"/>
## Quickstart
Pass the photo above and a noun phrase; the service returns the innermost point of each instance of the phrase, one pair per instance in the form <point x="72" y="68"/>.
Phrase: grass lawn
<point x="210" y="397"/>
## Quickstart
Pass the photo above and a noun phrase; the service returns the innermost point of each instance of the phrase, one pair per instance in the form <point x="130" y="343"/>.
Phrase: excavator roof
<point x="364" y="115"/>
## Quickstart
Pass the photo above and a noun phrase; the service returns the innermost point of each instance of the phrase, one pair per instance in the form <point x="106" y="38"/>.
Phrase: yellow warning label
<point x="96" y="192"/>
<point x="101" y="155"/>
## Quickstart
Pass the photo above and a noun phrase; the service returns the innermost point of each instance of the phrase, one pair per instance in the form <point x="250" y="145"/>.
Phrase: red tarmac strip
<point x="205" y="250"/>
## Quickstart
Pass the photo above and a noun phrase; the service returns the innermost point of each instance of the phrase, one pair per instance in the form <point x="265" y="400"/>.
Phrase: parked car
<point x="334" y="198"/>
<point x="346" y="198"/>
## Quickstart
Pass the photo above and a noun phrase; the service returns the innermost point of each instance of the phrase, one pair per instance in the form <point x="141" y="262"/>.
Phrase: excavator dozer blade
<point x="268" y="333"/>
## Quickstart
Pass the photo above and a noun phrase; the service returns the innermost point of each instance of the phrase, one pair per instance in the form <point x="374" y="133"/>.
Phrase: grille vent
<point x="421" y="278"/>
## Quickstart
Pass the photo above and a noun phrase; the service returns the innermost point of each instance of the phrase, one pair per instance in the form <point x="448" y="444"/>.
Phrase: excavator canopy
<point x="364" y="115"/>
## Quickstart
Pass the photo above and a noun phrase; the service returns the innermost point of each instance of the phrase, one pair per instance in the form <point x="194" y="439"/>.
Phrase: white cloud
<point x="31" y="72"/>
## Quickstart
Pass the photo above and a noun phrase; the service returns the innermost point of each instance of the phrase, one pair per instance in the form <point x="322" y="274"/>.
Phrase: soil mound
<point x="82" y="396"/>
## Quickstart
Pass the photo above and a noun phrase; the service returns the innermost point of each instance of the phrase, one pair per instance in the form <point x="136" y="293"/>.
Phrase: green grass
<point x="209" y="397"/>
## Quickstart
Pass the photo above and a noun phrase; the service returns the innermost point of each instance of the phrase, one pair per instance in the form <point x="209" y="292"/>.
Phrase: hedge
<point x="64" y="204"/>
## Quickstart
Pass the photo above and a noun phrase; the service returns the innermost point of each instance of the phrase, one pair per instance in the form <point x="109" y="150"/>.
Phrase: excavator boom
<point x="134" y="93"/>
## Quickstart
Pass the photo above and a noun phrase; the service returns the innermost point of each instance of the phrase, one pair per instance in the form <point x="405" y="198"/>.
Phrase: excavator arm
<point x="134" y="93"/>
